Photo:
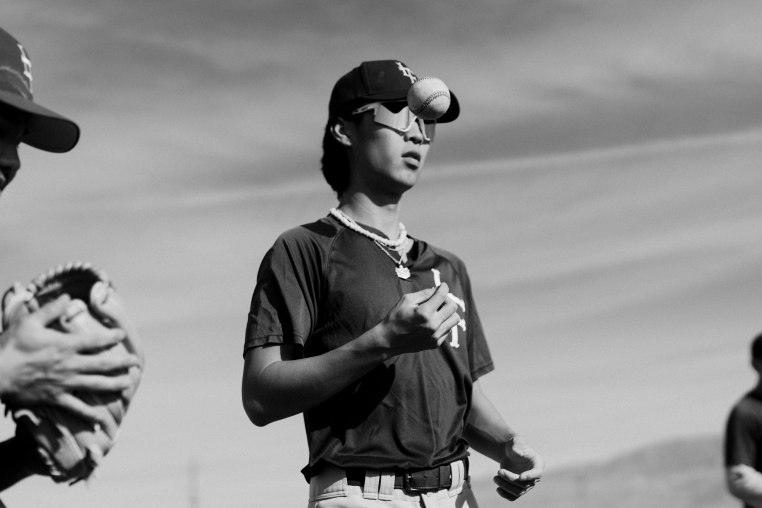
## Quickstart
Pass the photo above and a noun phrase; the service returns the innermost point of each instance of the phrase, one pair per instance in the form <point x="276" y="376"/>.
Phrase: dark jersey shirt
<point x="322" y="285"/>
<point x="743" y="433"/>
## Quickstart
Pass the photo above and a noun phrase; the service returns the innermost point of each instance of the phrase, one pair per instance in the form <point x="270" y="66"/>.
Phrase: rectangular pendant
<point x="402" y="272"/>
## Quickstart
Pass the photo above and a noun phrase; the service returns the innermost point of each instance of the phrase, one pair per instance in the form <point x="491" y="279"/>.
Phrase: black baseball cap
<point x="46" y="130"/>
<point x="378" y="81"/>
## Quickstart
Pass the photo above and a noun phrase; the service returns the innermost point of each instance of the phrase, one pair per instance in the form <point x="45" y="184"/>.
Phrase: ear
<point x="340" y="132"/>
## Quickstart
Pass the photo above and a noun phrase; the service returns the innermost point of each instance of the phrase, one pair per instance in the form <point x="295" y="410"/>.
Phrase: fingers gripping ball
<point x="428" y="98"/>
<point x="70" y="447"/>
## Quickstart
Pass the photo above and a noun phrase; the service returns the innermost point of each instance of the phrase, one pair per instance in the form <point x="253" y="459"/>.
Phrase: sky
<point x="601" y="185"/>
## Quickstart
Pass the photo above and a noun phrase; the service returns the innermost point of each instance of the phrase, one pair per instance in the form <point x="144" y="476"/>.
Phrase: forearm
<point x="520" y="466"/>
<point x="273" y="390"/>
<point x="745" y="483"/>
<point x="486" y="430"/>
<point x="6" y="366"/>
<point x="4" y="381"/>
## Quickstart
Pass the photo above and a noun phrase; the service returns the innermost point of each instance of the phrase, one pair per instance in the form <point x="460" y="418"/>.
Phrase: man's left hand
<point x="520" y="469"/>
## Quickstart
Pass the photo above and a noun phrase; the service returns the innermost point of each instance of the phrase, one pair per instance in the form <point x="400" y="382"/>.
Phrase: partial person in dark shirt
<point x="743" y="439"/>
<point x="39" y="364"/>
<point x="373" y="334"/>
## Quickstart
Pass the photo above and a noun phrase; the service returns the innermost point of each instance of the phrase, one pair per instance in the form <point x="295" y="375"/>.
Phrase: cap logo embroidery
<point x="406" y="72"/>
<point x="27" y="65"/>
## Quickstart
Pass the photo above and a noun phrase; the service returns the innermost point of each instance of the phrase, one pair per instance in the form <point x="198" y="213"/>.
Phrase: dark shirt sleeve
<point x="18" y="460"/>
<point x="284" y="304"/>
<point x="742" y="437"/>
<point x="479" y="356"/>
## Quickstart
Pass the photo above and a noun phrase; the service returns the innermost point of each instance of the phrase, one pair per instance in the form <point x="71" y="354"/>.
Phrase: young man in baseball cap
<point x="38" y="364"/>
<point x="373" y="334"/>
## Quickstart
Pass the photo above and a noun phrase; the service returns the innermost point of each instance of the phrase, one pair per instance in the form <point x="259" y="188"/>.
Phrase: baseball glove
<point x="69" y="447"/>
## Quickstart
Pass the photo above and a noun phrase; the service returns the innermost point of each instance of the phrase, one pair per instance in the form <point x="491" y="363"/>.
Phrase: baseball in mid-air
<point x="428" y="98"/>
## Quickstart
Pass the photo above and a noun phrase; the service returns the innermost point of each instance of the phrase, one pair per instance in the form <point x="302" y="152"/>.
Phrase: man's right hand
<point x="420" y="320"/>
<point x="39" y="364"/>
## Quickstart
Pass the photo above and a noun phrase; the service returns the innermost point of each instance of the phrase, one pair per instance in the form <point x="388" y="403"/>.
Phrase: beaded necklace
<point x="402" y="271"/>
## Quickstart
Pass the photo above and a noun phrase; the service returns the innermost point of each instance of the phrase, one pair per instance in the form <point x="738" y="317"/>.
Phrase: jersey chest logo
<point x="461" y="326"/>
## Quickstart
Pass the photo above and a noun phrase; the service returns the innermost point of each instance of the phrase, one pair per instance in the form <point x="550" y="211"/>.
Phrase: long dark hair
<point x="335" y="162"/>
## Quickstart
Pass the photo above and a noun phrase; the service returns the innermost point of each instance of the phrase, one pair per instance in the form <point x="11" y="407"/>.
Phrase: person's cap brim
<point x="452" y="112"/>
<point x="46" y="130"/>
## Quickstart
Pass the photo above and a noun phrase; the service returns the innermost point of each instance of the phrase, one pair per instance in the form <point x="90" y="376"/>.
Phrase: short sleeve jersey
<point x="322" y="285"/>
<point x="743" y="434"/>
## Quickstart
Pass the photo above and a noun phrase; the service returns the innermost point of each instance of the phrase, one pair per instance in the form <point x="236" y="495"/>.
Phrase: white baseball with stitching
<point x="428" y="98"/>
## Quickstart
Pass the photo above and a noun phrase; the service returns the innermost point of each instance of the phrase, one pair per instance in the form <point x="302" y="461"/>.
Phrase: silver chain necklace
<point x="402" y="271"/>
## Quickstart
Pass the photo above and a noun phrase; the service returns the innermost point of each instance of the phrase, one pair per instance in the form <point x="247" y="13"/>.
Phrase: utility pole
<point x="193" y="484"/>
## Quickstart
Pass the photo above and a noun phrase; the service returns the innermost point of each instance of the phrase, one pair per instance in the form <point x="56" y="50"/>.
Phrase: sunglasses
<point x="397" y="116"/>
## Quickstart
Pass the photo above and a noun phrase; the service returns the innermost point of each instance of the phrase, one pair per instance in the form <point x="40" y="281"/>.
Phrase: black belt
<point x="424" y="480"/>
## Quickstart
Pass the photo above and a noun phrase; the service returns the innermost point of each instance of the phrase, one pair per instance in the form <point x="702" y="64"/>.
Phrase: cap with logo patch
<point x="45" y="130"/>
<point x="378" y="81"/>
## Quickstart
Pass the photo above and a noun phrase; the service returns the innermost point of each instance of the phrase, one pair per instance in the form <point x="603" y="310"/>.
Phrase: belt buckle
<point x="407" y="484"/>
<point x="429" y="480"/>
